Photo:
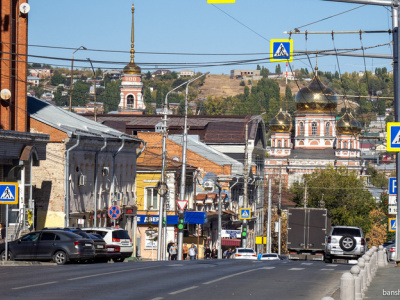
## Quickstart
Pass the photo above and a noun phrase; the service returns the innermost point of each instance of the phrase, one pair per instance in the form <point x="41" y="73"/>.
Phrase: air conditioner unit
<point x="82" y="180"/>
<point x="118" y="196"/>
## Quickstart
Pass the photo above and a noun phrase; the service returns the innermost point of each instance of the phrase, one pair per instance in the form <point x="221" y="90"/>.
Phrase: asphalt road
<point x="201" y="279"/>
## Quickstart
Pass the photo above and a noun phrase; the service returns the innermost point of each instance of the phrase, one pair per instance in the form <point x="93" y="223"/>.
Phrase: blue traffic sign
<point x="281" y="50"/>
<point x="392" y="224"/>
<point x="8" y="193"/>
<point x="392" y="186"/>
<point x="393" y="136"/>
<point x="245" y="213"/>
<point x="114" y="212"/>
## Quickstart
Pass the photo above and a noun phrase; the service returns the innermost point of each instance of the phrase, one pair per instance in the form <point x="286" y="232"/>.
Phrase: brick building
<point x="20" y="150"/>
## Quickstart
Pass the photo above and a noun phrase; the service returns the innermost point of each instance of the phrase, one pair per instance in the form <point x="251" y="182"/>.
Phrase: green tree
<point x="258" y="67"/>
<point x="111" y="96"/>
<point x="376" y="178"/>
<point x="59" y="99"/>
<point x="57" y="79"/>
<point x="278" y="69"/>
<point x="148" y="75"/>
<point x="242" y="83"/>
<point x="342" y="192"/>
<point x="80" y="93"/>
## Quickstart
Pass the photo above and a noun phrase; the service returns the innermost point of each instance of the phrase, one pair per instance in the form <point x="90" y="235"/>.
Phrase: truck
<point x="307" y="230"/>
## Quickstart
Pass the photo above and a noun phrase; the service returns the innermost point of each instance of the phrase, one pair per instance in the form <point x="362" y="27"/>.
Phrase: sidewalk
<point x="386" y="284"/>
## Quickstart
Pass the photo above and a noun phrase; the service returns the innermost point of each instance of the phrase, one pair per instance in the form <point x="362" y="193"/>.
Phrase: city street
<point x="201" y="279"/>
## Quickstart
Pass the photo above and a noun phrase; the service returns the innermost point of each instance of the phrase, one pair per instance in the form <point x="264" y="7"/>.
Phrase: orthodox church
<point x="314" y="138"/>
<point x="131" y="85"/>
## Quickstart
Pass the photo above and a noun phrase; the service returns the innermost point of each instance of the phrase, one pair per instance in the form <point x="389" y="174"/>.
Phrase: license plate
<point x="88" y="245"/>
<point x="337" y="252"/>
<point x="110" y="249"/>
<point x="100" y="246"/>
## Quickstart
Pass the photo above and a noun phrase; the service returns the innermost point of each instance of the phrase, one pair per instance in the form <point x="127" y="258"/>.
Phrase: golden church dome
<point x="132" y="68"/>
<point x="316" y="98"/>
<point x="282" y="122"/>
<point x="347" y="124"/>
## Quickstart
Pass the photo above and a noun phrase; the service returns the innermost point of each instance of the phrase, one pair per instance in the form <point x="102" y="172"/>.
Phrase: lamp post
<point x="72" y="71"/>
<point x="94" y="77"/>
<point x="246" y="170"/>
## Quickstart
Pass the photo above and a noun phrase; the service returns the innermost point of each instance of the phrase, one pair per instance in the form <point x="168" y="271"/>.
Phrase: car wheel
<point x="120" y="259"/>
<point x="347" y="243"/>
<point x="60" y="257"/>
<point x="10" y="256"/>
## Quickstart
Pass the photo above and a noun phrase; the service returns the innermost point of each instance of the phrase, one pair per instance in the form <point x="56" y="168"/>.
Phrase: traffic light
<point x="244" y="231"/>
<point x="164" y="221"/>
<point x="181" y="217"/>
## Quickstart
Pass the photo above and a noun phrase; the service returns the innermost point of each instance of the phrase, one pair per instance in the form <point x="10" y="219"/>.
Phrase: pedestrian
<point x="192" y="252"/>
<point x="195" y="249"/>
<point x="168" y="247"/>
<point x="229" y="253"/>
<point x="2" y="233"/>
<point x="214" y="253"/>
<point x="173" y="251"/>
<point x="259" y="255"/>
<point x="207" y="253"/>
<point x="185" y="250"/>
<point x="224" y="254"/>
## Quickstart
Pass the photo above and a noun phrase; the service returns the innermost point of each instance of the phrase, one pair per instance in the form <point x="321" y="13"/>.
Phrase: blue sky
<point x="193" y="26"/>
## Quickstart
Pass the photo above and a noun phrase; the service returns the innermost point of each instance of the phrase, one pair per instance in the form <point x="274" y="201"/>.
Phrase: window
<point x="314" y="128"/>
<point x="285" y="143"/>
<point x="327" y="129"/>
<point x="32" y="237"/>
<point x="151" y="197"/>
<point x="47" y="236"/>
<point x="301" y="129"/>
<point x="129" y="100"/>
<point x="351" y="145"/>
<point x="345" y="145"/>
<point x="279" y="143"/>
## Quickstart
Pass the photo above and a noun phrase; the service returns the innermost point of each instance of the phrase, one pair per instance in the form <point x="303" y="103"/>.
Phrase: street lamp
<point x="72" y="71"/>
<point x="246" y="170"/>
<point x="94" y="77"/>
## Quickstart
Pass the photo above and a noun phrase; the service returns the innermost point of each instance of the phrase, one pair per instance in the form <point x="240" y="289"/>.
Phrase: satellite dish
<point x="24" y="8"/>
<point x="5" y="94"/>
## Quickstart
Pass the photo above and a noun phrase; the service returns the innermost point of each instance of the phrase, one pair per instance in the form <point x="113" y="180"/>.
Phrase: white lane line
<point x="267" y="268"/>
<point x="108" y="273"/>
<point x="184" y="290"/>
<point x="229" y="276"/>
<point x="333" y="265"/>
<point x="296" y="269"/>
<point x="327" y="270"/>
<point x="33" y="285"/>
<point x="307" y="264"/>
<point x="158" y="298"/>
<point x="177" y="265"/>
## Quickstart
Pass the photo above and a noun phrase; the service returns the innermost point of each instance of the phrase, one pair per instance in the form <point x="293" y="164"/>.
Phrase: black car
<point x="47" y="245"/>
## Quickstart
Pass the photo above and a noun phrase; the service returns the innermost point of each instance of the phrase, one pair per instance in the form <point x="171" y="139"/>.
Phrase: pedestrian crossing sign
<point x="8" y="193"/>
<point x="393" y="136"/>
<point x="392" y="224"/>
<point x="245" y="213"/>
<point x="281" y="50"/>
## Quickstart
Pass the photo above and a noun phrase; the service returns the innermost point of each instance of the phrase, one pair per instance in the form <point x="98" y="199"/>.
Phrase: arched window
<point x="314" y="128"/>
<point x="301" y="129"/>
<point x="327" y="129"/>
<point x="129" y="100"/>
<point x="279" y="144"/>
<point x="351" y="145"/>
<point x="345" y="145"/>
<point x="285" y="143"/>
<point x="339" y="144"/>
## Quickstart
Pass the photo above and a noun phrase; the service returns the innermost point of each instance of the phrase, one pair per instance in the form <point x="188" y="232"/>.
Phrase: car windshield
<point x="120" y="234"/>
<point x="96" y="236"/>
<point x="246" y="251"/>
<point x="270" y="255"/>
<point x="82" y="234"/>
<point x="342" y="231"/>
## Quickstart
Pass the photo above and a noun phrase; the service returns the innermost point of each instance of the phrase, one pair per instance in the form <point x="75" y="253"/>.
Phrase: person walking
<point x="173" y="251"/>
<point x="192" y="252"/>
<point x="169" y="247"/>
<point x="207" y="253"/>
<point x="229" y="253"/>
<point x="185" y="250"/>
<point x="214" y="253"/>
<point x="259" y="255"/>
<point x="2" y="233"/>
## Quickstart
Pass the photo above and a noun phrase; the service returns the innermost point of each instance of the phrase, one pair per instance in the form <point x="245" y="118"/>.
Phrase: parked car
<point x="47" y="245"/>
<point x="270" y="256"/>
<point x="244" y="253"/>
<point x="346" y="242"/>
<point x="114" y="236"/>
<point x="391" y="251"/>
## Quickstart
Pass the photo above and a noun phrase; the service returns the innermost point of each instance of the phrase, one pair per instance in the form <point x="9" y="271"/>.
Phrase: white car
<point x="270" y="256"/>
<point x="244" y="253"/>
<point x="114" y="236"/>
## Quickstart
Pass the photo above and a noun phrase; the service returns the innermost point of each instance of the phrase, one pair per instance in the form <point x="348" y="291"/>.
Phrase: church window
<point x="301" y="129"/>
<point x="279" y="143"/>
<point x="285" y="143"/>
<point x="345" y="145"/>
<point x="351" y="145"/>
<point x="327" y="129"/>
<point x="314" y="128"/>
<point x="129" y="100"/>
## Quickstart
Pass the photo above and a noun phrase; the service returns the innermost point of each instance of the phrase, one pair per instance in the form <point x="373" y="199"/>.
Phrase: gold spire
<point x="132" y="68"/>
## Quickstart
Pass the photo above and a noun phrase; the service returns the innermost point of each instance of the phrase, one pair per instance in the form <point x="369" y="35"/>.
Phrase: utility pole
<point x="72" y="76"/>
<point x="94" y="78"/>
<point x="269" y="217"/>
<point x="394" y="4"/>
<point x="305" y="194"/>
<point x="280" y="211"/>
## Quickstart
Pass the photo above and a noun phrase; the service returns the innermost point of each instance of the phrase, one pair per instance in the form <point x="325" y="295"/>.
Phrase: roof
<point x="71" y="123"/>
<point x="313" y="154"/>
<point x="194" y="144"/>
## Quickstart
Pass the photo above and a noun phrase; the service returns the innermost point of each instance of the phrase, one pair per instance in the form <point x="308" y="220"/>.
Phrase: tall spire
<point x="132" y="68"/>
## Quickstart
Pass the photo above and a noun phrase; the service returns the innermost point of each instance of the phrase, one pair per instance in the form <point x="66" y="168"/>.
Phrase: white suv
<point x="114" y="236"/>
<point x="346" y="242"/>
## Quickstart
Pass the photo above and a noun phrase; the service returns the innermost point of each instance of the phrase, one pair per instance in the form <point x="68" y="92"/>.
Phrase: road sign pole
<point x="6" y="238"/>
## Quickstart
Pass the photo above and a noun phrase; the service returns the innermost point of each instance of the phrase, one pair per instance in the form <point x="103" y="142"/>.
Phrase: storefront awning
<point x="230" y="242"/>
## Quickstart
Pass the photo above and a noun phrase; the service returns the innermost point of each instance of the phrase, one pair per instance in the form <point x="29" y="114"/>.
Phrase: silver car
<point x="346" y="242"/>
<point x="244" y="253"/>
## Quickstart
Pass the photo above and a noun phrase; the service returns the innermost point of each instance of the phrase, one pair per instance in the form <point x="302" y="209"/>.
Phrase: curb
<point x="25" y="263"/>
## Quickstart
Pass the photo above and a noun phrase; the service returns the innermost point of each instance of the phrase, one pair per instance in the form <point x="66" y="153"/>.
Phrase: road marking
<point x="327" y="270"/>
<point x="333" y="265"/>
<point x="158" y="298"/>
<point x="33" y="285"/>
<point x="184" y="290"/>
<point x="296" y="269"/>
<point x="175" y="265"/>
<point x="267" y="268"/>
<point x="229" y="276"/>
<point x="108" y="273"/>
<point x="307" y="264"/>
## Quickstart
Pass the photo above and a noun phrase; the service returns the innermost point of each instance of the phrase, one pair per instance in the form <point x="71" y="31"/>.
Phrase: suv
<point x="114" y="236"/>
<point x="345" y="242"/>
